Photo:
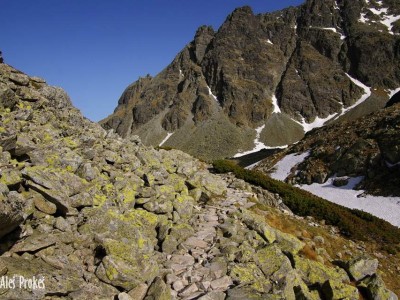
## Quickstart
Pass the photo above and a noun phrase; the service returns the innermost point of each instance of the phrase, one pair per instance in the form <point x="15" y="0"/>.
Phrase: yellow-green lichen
<point x="70" y="143"/>
<point x="111" y="272"/>
<point x="249" y="274"/>
<point x="99" y="199"/>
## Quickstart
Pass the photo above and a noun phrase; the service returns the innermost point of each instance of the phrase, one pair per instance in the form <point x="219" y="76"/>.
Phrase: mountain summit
<point x="267" y="79"/>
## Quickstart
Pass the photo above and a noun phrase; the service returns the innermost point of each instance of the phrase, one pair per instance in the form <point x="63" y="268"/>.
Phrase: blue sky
<point x="95" y="48"/>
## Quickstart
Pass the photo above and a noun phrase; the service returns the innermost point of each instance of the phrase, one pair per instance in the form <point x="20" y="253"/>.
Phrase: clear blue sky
<point x="95" y="48"/>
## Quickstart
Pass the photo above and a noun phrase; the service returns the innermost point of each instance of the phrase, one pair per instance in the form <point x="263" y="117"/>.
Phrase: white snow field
<point x="387" y="208"/>
<point x="258" y="145"/>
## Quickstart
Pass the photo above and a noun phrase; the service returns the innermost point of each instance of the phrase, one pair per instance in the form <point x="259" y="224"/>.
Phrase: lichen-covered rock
<point x="313" y="272"/>
<point x="43" y="205"/>
<point x="273" y="262"/>
<point x="158" y="291"/>
<point x="258" y="223"/>
<point x="374" y="288"/>
<point x="177" y="234"/>
<point x="295" y="288"/>
<point x="128" y="240"/>
<point x="54" y="281"/>
<point x="250" y="275"/>
<point x="337" y="290"/>
<point x="361" y="267"/>
<point x="12" y="209"/>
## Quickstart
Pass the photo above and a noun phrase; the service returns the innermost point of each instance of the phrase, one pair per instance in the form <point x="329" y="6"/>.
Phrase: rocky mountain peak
<point x="202" y="39"/>
<point x="240" y="12"/>
<point x="290" y="70"/>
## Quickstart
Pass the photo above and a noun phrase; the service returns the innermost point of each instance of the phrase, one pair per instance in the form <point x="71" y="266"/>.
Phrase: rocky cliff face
<point x="285" y="71"/>
<point x="92" y="215"/>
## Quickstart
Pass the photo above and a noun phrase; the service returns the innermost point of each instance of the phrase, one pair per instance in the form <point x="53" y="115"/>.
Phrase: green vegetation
<point x="351" y="222"/>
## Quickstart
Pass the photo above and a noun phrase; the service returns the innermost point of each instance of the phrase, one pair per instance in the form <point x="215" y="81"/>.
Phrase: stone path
<point x="199" y="269"/>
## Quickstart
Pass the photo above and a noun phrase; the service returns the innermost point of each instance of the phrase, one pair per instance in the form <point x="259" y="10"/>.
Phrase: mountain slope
<point x="88" y="214"/>
<point x="367" y="147"/>
<point x="304" y="65"/>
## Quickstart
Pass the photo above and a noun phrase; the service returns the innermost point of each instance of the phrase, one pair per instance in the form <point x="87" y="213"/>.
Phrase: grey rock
<point x="35" y="242"/>
<point x="178" y="285"/>
<point x="28" y="94"/>
<point x="43" y="205"/>
<point x="11" y="212"/>
<point x="19" y="78"/>
<point x="139" y="292"/>
<point x="214" y="295"/>
<point x="194" y="242"/>
<point x="189" y="290"/>
<point x="221" y="283"/>
<point x="8" y="99"/>
<point x="158" y="291"/>
<point x="361" y="267"/>
<point x="124" y="296"/>
<point x="62" y="224"/>
<point x="375" y="288"/>
<point x="239" y="293"/>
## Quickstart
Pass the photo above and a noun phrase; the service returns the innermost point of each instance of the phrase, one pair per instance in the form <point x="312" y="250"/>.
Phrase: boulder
<point x="12" y="214"/>
<point x="374" y="288"/>
<point x="361" y="267"/>
<point x="158" y="290"/>
<point x="337" y="290"/>
<point x="273" y="263"/>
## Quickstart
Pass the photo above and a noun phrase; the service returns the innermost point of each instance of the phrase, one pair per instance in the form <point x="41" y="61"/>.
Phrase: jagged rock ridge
<point x="298" y="65"/>
<point x="93" y="215"/>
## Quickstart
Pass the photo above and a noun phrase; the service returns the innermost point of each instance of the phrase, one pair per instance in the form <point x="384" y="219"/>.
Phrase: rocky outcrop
<point x="87" y="214"/>
<point x="367" y="147"/>
<point x="300" y="64"/>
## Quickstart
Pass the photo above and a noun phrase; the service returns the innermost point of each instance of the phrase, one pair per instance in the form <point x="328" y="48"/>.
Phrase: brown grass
<point x="309" y="253"/>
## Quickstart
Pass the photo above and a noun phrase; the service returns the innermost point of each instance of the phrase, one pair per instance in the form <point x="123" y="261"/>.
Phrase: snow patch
<point x="363" y="18"/>
<point x="275" y="104"/>
<point x="365" y="96"/>
<point x="387" y="208"/>
<point x="269" y="42"/>
<point x="258" y="145"/>
<point x="342" y="37"/>
<point x="386" y="19"/>
<point x="181" y="73"/>
<point x="390" y="165"/>
<point x="166" y="138"/>
<point x="330" y="28"/>
<point x="378" y="12"/>
<point x="211" y="94"/>
<point x="393" y="92"/>
<point x="318" y="122"/>
<point x="283" y="168"/>
<point x="388" y="22"/>
<point x="335" y="5"/>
